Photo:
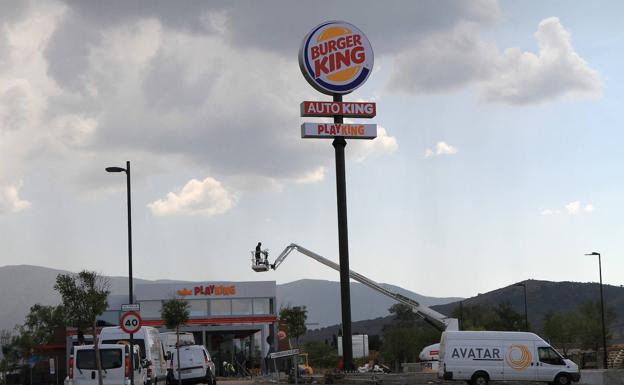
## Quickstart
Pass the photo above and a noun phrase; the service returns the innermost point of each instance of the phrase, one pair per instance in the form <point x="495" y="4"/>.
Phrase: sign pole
<point x="336" y="58"/>
<point x="339" y="144"/>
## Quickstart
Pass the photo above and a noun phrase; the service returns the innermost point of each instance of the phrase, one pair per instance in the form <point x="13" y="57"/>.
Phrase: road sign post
<point x="130" y="322"/>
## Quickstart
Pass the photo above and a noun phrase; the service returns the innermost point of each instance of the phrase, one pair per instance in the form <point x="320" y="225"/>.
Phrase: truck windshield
<point x="110" y="358"/>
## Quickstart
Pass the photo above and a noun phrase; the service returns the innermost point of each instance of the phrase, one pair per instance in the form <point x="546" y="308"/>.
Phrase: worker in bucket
<point x="258" y="253"/>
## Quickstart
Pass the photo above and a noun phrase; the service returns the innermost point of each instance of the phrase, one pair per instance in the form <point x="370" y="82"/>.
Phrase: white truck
<point x="483" y="356"/>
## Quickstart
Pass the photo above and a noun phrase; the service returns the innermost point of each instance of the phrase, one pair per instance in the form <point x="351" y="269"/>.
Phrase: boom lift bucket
<point x="262" y="264"/>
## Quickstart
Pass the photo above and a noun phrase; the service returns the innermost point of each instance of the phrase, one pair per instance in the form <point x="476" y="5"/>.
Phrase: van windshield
<point x="137" y="342"/>
<point x="110" y="358"/>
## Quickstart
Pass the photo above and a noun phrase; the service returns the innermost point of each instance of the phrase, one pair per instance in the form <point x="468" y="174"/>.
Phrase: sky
<point x="498" y="156"/>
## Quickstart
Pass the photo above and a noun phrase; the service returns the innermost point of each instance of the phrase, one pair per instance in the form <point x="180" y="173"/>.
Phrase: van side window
<point x="548" y="356"/>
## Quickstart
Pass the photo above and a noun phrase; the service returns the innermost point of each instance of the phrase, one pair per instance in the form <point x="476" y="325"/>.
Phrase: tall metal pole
<point x="604" y="336"/>
<point x="339" y="144"/>
<point x="130" y="294"/>
<point x="461" y="315"/>
<point x="526" y="314"/>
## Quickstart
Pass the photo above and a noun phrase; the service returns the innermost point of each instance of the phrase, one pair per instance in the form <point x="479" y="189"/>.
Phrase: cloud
<point x="558" y="70"/>
<point x="383" y="144"/>
<point x="312" y="177"/>
<point x="171" y="86"/>
<point x="441" y="148"/>
<point x="10" y="201"/>
<point x="206" y="198"/>
<point x="460" y="57"/>
<point x="572" y="208"/>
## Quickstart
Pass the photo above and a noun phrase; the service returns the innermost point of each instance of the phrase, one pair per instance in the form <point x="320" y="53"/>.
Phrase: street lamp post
<point x="130" y="294"/>
<point x="604" y="335"/>
<point x="526" y="314"/>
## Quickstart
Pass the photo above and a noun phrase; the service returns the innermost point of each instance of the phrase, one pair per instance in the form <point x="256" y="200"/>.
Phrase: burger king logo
<point x="336" y="57"/>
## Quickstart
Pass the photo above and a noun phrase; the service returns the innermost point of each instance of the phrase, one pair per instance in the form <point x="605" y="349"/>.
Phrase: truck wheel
<point x="480" y="378"/>
<point x="562" y="379"/>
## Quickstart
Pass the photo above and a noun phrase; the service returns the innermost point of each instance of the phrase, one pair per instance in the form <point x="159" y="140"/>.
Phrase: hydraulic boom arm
<point x="437" y="320"/>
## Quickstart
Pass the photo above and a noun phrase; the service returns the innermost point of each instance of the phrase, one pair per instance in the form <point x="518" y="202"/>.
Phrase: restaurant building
<point x="234" y="320"/>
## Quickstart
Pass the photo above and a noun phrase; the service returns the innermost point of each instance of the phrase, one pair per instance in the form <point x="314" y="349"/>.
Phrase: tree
<point x="5" y="347"/>
<point x="483" y="317"/>
<point x="294" y="318"/>
<point x="589" y="327"/>
<point x="560" y="329"/>
<point x="406" y="336"/>
<point x="321" y="355"/>
<point x="507" y="318"/>
<point x="41" y="323"/>
<point x="83" y="297"/>
<point x="175" y="312"/>
<point x="474" y="317"/>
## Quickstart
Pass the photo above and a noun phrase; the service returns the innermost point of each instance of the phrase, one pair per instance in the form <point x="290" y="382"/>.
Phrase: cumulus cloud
<point x="167" y="86"/>
<point x="312" y="177"/>
<point x="383" y="144"/>
<point x="572" y="208"/>
<point x="441" y="148"/>
<point x="207" y="198"/>
<point x="10" y="202"/>
<point x="460" y="57"/>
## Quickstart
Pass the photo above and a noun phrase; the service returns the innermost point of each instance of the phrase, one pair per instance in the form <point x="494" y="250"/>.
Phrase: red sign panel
<point x="346" y="109"/>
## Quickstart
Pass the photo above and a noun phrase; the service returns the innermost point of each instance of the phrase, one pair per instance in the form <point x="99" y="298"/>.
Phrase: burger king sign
<point x="336" y="57"/>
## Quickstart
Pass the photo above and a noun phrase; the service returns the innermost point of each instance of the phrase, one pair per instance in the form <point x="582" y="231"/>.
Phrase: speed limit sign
<point x="130" y="322"/>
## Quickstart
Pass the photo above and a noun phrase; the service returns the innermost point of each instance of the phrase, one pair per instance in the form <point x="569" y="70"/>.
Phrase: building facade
<point x="236" y="321"/>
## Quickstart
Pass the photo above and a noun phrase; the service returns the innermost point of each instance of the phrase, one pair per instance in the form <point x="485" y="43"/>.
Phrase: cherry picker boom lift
<point x="432" y="317"/>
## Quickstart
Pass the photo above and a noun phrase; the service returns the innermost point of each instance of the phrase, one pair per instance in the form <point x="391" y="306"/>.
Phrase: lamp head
<point x="115" y="169"/>
<point x="593" y="253"/>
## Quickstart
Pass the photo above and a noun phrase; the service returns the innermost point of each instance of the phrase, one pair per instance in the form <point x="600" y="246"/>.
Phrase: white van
<point x="115" y="361"/>
<point x="480" y="357"/>
<point x="151" y="350"/>
<point x="196" y="366"/>
<point x="169" y="340"/>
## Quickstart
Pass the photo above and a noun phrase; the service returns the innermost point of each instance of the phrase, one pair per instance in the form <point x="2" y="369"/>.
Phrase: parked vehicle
<point x="115" y="359"/>
<point x="196" y="366"/>
<point x="483" y="356"/>
<point x="152" y="350"/>
<point x="169" y="340"/>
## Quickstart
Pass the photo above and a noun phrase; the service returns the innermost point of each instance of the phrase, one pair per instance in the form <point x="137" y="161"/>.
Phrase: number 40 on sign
<point x="130" y="322"/>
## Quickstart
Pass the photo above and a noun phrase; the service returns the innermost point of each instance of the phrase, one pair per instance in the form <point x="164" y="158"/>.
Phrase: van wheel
<point x="562" y="379"/>
<point x="480" y="378"/>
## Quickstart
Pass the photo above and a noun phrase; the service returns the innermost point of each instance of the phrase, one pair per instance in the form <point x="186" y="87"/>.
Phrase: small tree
<point x="406" y="336"/>
<point x="84" y="298"/>
<point x="175" y="312"/>
<point x="294" y="318"/>
<point x="41" y="323"/>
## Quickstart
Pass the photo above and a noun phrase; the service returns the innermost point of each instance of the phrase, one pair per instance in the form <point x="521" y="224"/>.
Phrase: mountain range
<point x="542" y="297"/>
<point x="22" y="286"/>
